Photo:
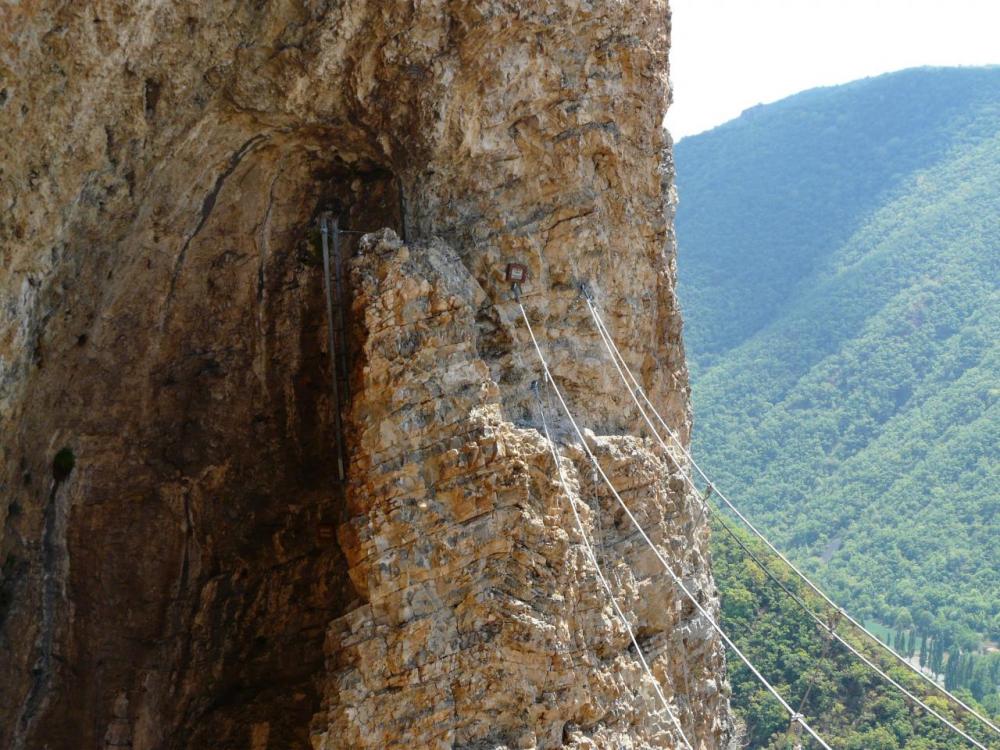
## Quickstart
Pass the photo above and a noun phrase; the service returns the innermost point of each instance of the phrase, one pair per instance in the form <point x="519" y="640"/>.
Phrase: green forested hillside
<point x="839" y="268"/>
<point x="845" y="701"/>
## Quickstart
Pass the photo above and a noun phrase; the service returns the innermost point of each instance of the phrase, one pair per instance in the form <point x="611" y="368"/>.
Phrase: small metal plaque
<point x="517" y="273"/>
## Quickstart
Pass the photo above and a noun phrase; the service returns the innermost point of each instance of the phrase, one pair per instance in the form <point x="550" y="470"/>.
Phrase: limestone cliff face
<point x="187" y="573"/>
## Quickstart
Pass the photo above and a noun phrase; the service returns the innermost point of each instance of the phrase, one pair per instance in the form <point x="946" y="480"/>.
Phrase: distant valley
<point x="839" y="270"/>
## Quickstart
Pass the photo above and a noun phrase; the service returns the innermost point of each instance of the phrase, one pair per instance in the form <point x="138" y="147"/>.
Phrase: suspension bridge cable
<point x="795" y="717"/>
<point x="609" y="344"/>
<point x="600" y="574"/>
<point x="617" y="358"/>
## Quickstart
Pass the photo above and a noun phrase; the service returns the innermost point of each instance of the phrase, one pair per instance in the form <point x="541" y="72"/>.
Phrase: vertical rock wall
<point x="173" y="581"/>
<point x="480" y="621"/>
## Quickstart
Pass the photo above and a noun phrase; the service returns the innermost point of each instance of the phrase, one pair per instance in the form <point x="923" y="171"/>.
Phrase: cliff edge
<point x="180" y="566"/>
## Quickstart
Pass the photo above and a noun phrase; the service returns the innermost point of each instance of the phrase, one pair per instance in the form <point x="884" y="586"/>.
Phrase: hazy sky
<point x="728" y="55"/>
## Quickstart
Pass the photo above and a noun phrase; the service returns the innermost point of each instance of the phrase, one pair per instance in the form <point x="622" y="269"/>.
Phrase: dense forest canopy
<point x="843" y="699"/>
<point x="839" y="268"/>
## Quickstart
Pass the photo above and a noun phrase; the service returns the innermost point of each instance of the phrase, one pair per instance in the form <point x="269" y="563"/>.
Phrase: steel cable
<point x="619" y="362"/>
<point x="603" y="580"/>
<point x="795" y="717"/>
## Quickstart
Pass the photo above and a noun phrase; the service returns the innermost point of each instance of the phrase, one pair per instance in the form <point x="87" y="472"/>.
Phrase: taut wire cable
<point x="656" y="552"/>
<point x="600" y="574"/>
<point x="619" y="362"/>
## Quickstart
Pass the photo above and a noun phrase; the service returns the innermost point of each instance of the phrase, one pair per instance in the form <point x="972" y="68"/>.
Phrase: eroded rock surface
<point x="188" y="573"/>
<point x="483" y="621"/>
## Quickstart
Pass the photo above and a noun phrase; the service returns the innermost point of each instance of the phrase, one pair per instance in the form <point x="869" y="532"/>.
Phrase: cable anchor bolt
<point x="516" y="274"/>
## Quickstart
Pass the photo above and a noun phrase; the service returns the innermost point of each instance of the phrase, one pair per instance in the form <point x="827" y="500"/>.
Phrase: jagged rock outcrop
<point x="482" y="619"/>
<point x="170" y="575"/>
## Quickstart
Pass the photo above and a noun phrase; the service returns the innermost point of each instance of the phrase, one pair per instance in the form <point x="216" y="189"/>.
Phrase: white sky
<point x="728" y="55"/>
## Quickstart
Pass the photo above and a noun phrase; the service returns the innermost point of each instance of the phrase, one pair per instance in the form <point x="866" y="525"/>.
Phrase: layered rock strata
<point x="180" y="568"/>
<point x="483" y="621"/>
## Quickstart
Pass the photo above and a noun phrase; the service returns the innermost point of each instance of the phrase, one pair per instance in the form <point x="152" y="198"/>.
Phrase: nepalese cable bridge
<point x="830" y="619"/>
<point x="833" y="622"/>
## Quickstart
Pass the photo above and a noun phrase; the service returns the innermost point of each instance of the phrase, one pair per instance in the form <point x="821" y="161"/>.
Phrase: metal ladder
<point x="336" y="329"/>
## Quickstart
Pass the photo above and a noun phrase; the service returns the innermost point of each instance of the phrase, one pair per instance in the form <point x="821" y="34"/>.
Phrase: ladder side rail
<point x="338" y="426"/>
